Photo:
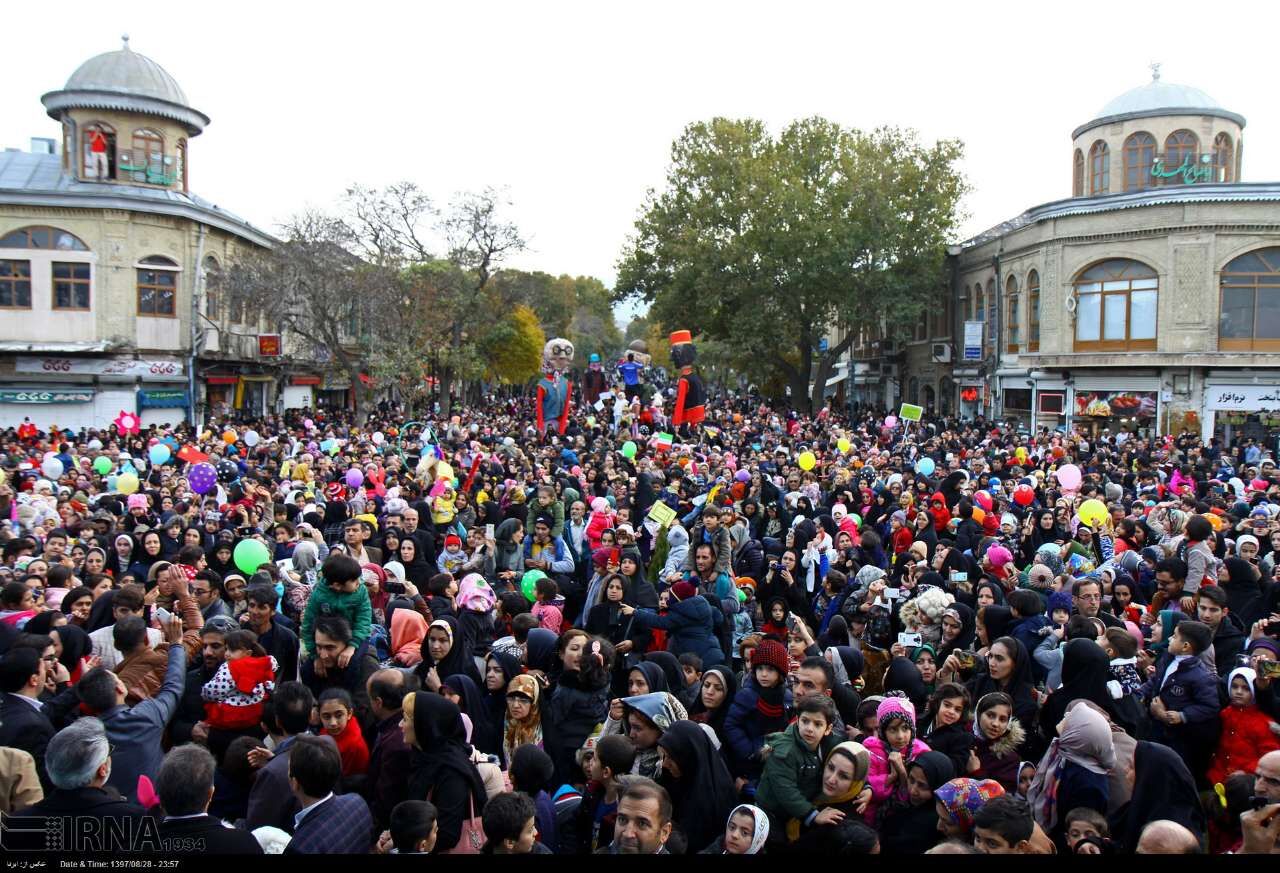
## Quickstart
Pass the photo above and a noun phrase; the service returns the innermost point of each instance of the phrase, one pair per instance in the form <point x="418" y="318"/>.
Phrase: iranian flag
<point x="662" y="441"/>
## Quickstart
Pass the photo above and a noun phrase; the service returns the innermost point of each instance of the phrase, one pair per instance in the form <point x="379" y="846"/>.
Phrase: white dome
<point x="126" y="72"/>
<point x="1158" y="95"/>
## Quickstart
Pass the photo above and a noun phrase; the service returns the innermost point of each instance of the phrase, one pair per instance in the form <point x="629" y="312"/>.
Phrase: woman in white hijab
<point x="745" y="833"/>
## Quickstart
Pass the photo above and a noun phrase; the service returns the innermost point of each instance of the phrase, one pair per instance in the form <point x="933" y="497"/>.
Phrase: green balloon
<point x="628" y="449"/>
<point x="102" y="465"/>
<point x="529" y="582"/>
<point x="250" y="555"/>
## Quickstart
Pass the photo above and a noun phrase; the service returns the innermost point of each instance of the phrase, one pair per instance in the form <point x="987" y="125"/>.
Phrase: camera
<point x="775" y="566"/>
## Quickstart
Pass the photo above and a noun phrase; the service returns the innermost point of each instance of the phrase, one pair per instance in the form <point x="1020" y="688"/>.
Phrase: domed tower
<point x="1156" y="135"/>
<point x="125" y="121"/>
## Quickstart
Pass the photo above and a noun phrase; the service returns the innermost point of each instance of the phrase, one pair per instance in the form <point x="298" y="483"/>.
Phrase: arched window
<point x="1139" y="155"/>
<point x="1077" y="174"/>
<point x="1116" y="307"/>
<point x="39" y="236"/>
<point x="1012" y="316"/>
<point x="1033" y="311"/>
<point x="212" y="299"/>
<point x="1099" y="168"/>
<point x="1249" y="320"/>
<point x="145" y="160"/>
<point x="158" y="286"/>
<point x="98" y="150"/>
<point x="1223" y="158"/>
<point x="979" y="310"/>
<point x="1180" y="147"/>
<point x="992" y="339"/>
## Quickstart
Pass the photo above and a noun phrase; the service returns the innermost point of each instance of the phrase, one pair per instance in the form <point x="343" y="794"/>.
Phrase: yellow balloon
<point x="807" y="460"/>
<point x="842" y="444"/>
<point x="444" y="471"/>
<point x="127" y="483"/>
<point x="1092" y="512"/>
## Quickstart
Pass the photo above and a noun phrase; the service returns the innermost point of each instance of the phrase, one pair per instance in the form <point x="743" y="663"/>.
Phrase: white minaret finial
<point x="125" y="39"/>
<point x="1155" y="71"/>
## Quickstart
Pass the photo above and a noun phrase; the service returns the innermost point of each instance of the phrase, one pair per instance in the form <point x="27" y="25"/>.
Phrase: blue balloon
<point x="924" y="466"/>
<point x="159" y="454"/>
<point x="111" y="482"/>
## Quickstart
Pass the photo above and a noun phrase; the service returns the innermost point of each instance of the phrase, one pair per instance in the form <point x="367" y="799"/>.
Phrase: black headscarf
<point x="671" y="668"/>
<point x="75" y="645"/>
<point x="1244" y="591"/>
<point x="1084" y="677"/>
<point x="1163" y="789"/>
<point x="715" y="718"/>
<point x="903" y="676"/>
<point x="487" y="735"/>
<point x="996" y="591"/>
<point x="996" y="619"/>
<point x="101" y="613"/>
<point x="967" y="631"/>
<point x="913" y="830"/>
<point x="440" y="748"/>
<point x="540" y="649"/>
<point x="654" y="676"/>
<point x="836" y="634"/>
<point x="1019" y="686"/>
<point x="458" y="661"/>
<point x="472" y="701"/>
<point x="41" y="623"/>
<point x="704" y="793"/>
<point x="417" y="571"/>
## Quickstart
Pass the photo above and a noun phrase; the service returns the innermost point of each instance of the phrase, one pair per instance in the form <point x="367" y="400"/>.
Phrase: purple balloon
<point x="743" y="476"/>
<point x="203" y="478"/>
<point x="354" y="478"/>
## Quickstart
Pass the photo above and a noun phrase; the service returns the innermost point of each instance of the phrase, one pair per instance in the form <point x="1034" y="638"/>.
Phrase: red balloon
<point x="1024" y="494"/>
<point x="983" y="499"/>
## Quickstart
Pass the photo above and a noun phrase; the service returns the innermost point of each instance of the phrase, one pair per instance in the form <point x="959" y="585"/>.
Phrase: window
<point x="979" y="307"/>
<point x="15" y="284"/>
<point x="1077" y="174"/>
<point x="212" y="302"/>
<point x="40" y="237"/>
<point x="98" y="145"/>
<point x="1139" y="155"/>
<point x="964" y="304"/>
<point x="1223" y="158"/>
<point x="1116" y="307"/>
<point x="182" y="162"/>
<point x="992" y="339"/>
<point x="1179" y="147"/>
<point x="1099" y="168"/>
<point x="1012" y="315"/>
<point x="1249" y="320"/>
<point x="146" y="161"/>
<point x="1033" y="311"/>
<point x="157" y="286"/>
<point x="70" y="285"/>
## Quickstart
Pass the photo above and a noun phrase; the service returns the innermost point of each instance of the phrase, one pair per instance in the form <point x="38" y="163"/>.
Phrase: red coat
<point x="1246" y="736"/>
<point x="941" y="515"/>
<point x="902" y="540"/>
<point x="352" y="748"/>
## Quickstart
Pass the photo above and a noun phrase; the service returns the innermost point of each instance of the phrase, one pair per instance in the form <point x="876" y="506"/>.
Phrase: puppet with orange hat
<point x="690" y="395"/>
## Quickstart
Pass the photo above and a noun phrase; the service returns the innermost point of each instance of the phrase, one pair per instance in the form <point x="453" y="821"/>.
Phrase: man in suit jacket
<point x="354" y="535"/>
<point x="185" y="786"/>
<point x="271" y="800"/>
<point x="23" y="722"/>
<point x="327" y="823"/>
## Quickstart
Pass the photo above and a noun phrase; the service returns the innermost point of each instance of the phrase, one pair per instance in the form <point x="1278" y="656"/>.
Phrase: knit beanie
<point x="771" y="653"/>
<point x="453" y="541"/>
<point x="1060" y="600"/>
<point x="683" y="590"/>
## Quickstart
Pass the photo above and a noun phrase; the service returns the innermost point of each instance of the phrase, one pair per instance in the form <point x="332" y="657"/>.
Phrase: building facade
<point x="104" y="255"/>
<point x="1149" y="301"/>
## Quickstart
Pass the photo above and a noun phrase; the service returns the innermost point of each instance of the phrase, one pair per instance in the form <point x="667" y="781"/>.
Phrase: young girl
<point x="235" y="586"/>
<point x="745" y="833"/>
<point x="1246" y="730"/>
<point x="522" y="724"/>
<point x="999" y="734"/>
<point x="549" y="605"/>
<point x="235" y="695"/>
<point x="892" y="750"/>
<point x="601" y="520"/>
<point x="776" y="618"/>
<point x="336" y="709"/>
<point x="945" y="726"/>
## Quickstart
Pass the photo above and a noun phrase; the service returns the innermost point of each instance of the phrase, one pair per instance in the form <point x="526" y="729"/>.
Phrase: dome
<point x="126" y="72"/>
<point x="1158" y="95"/>
<point x="128" y="82"/>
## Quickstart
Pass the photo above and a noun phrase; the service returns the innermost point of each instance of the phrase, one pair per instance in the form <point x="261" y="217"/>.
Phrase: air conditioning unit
<point x="212" y="341"/>
<point x="940" y="353"/>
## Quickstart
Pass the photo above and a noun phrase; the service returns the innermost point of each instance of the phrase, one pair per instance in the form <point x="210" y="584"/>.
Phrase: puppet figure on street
<point x="554" y="390"/>
<point x="691" y="397"/>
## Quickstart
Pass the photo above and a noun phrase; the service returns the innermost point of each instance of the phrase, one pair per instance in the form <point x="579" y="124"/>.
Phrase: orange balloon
<point x="229" y="437"/>
<point x="979" y="515"/>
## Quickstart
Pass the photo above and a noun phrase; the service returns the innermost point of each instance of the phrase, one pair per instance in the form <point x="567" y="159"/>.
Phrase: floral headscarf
<point x="962" y="798"/>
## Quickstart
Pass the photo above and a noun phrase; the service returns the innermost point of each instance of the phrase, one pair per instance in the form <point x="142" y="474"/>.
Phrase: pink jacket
<point x="878" y="774"/>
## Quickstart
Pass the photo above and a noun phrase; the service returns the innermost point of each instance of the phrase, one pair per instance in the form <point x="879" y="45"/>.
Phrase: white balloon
<point x="378" y="437"/>
<point x="52" y="468"/>
<point x="251" y="438"/>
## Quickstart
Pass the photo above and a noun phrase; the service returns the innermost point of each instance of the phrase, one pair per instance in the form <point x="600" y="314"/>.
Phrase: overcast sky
<point x="573" y="105"/>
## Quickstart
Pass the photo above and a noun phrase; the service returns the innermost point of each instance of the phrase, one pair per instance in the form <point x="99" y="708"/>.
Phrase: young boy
<point x="709" y="531"/>
<point x="452" y="558"/>
<point x="413" y="828"/>
<point x="758" y="709"/>
<point x="338" y="592"/>
<point x="1003" y="826"/>
<point x="792" y="776"/>
<point x="1122" y="649"/>
<point x="1183" y="696"/>
<point x="691" y="667"/>
<point x="1088" y="826"/>
<point x="546" y="503"/>
<point x="613" y="756"/>
<point x="509" y="826"/>
<point x="1059" y="611"/>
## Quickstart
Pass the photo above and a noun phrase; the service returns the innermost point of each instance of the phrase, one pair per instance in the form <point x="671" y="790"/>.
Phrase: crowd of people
<point x="766" y="633"/>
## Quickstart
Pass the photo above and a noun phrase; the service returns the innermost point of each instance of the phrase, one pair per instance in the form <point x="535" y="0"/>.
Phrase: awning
<point x="54" y="347"/>
<point x="222" y="380"/>
<point x="305" y="380"/>
<point x="836" y="380"/>
<point x="258" y="378"/>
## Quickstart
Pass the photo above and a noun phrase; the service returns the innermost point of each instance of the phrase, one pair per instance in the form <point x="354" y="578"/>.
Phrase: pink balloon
<point x="1069" y="477"/>
<point x="891" y="421"/>
<point x="983" y="499"/>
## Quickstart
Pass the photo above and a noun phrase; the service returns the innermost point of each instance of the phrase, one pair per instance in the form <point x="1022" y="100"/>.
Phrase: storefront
<point x="973" y="398"/>
<point x="1116" y="404"/>
<point x="76" y="392"/>
<point x="69" y="408"/>
<point x="300" y="393"/>
<point x="163" y="406"/>
<point x="1236" y="410"/>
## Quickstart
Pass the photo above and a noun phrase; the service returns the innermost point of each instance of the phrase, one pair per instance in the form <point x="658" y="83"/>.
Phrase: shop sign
<point x="20" y="396"/>
<point x="973" y="340"/>
<point x="269" y="345"/>
<point x="1116" y="404"/>
<point x="124" y="367"/>
<point x="969" y="395"/>
<point x="1193" y="169"/>
<point x="162" y="400"/>
<point x="1250" y="398"/>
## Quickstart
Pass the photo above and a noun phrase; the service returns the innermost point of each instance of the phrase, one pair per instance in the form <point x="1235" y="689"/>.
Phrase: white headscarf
<point x="762" y="825"/>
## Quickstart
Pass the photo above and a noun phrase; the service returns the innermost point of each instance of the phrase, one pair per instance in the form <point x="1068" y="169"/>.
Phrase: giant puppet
<point x="690" y="395"/>
<point x="554" y="390"/>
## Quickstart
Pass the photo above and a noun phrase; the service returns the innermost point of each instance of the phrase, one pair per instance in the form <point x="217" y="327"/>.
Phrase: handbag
<point x="471" y="839"/>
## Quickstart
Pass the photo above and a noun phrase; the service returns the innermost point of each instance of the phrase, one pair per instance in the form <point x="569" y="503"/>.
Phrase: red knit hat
<point x="683" y="590"/>
<point x="453" y="540"/>
<point x="771" y="653"/>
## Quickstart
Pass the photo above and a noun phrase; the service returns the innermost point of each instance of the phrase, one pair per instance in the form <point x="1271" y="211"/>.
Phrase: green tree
<point x="513" y="349"/>
<point x="767" y="243"/>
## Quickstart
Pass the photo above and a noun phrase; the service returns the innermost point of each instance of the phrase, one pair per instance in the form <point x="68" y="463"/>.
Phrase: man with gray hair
<point x="79" y="763"/>
<point x="185" y="786"/>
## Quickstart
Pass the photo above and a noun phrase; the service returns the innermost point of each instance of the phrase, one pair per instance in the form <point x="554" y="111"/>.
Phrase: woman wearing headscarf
<point x="674" y="674"/>
<point x="408" y="631"/>
<point x="913" y="829"/>
<point x="606" y="619"/>
<point x="508" y="559"/>
<point x="540" y="650"/>
<point x="1244" y="590"/>
<point x="462" y="691"/>
<point x="149" y="553"/>
<point x="445" y="653"/>
<point x="959" y="800"/>
<point x="1163" y="788"/>
<point x="441" y="770"/>
<point x="416" y="568"/>
<point x="844" y="779"/>
<point x="695" y="775"/>
<point x="994" y="621"/>
<point x="715" y="694"/>
<point x="745" y="833"/>
<point x="1045" y="531"/>
<point x="1085" y="675"/>
<point x="522" y="724"/>
<point x="1008" y="670"/>
<point x="958" y="628"/>
<point x="121" y="556"/>
<point x="500" y="668"/>
<point x="903" y="676"/>
<point x="1073" y="772"/>
<point x="578" y="700"/>
<point x="74" y="648"/>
